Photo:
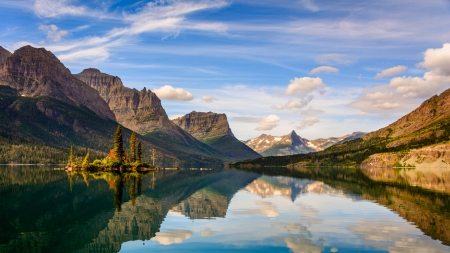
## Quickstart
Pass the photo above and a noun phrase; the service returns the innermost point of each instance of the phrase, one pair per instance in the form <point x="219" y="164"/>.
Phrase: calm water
<point x="276" y="210"/>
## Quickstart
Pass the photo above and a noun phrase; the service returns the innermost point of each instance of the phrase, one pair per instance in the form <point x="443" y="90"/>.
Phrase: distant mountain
<point x="37" y="72"/>
<point x="268" y="145"/>
<point x="291" y="144"/>
<point x="420" y="129"/>
<point x="213" y="129"/>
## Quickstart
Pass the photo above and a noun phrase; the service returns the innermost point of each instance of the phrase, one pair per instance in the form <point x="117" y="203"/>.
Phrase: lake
<point x="217" y="210"/>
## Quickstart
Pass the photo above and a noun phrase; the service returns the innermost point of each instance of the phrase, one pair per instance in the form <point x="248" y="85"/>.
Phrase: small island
<point x="118" y="159"/>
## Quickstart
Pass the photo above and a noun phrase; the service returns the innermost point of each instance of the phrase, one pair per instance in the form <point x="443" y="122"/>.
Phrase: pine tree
<point x="85" y="163"/>
<point x="133" y="147"/>
<point x="119" y="152"/>
<point x="71" y="157"/>
<point x="139" y="152"/>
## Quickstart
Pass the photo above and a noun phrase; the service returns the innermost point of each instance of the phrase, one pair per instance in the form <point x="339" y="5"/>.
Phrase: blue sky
<point x="322" y="68"/>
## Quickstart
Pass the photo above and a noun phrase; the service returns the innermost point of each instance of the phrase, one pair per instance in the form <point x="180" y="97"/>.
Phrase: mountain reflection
<point x="99" y="212"/>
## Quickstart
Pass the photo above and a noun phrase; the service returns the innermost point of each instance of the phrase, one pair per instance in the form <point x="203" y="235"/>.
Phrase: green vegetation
<point x="117" y="160"/>
<point x="133" y="147"/>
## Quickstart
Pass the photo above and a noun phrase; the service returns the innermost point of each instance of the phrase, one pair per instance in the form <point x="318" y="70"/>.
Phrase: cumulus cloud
<point x="437" y="60"/>
<point x="304" y="86"/>
<point x="326" y="69"/>
<point x="268" y="123"/>
<point x="391" y="71"/>
<point x="208" y="99"/>
<point x="172" y="236"/>
<point x="304" y="123"/>
<point x="333" y="59"/>
<point x="405" y="93"/>
<point x="171" y="93"/>
<point x="298" y="104"/>
<point x="53" y="32"/>
<point x="53" y="8"/>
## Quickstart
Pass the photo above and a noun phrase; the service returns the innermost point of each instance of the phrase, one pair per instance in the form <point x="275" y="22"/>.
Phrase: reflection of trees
<point x="117" y="181"/>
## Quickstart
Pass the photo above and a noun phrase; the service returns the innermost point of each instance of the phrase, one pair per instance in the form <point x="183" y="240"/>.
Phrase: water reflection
<point x="318" y="210"/>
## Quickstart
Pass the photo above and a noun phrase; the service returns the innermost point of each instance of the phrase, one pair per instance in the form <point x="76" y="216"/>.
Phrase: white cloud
<point x="53" y="32"/>
<point x="311" y="111"/>
<point x="437" y="60"/>
<point x="304" y="86"/>
<point x="94" y="54"/>
<point x="247" y="119"/>
<point x="268" y="209"/>
<point x="361" y="114"/>
<point x="53" y="8"/>
<point x="172" y="236"/>
<point x="326" y="69"/>
<point x="208" y="99"/>
<point x="299" y="245"/>
<point x="171" y="93"/>
<point x="277" y="107"/>
<point x="391" y="71"/>
<point x="268" y="123"/>
<point x="308" y="4"/>
<point x="402" y="93"/>
<point x="207" y="232"/>
<point x="298" y="104"/>
<point x="304" y="123"/>
<point x="333" y="59"/>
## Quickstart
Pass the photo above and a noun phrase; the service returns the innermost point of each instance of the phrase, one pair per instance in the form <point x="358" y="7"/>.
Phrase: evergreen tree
<point x="133" y="147"/>
<point x="85" y="163"/>
<point x="71" y="157"/>
<point x="119" y="152"/>
<point x="139" y="152"/>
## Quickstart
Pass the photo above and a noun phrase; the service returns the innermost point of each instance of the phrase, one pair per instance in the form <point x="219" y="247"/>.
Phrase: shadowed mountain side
<point x="37" y="72"/>
<point x="4" y="54"/>
<point x="429" y="211"/>
<point x="42" y="129"/>
<point x="213" y="129"/>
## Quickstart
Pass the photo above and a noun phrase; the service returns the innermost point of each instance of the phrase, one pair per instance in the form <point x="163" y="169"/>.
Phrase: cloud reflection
<point x="172" y="236"/>
<point x="302" y="245"/>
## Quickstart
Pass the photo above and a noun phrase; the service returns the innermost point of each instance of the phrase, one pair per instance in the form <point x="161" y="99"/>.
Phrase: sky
<point x="321" y="68"/>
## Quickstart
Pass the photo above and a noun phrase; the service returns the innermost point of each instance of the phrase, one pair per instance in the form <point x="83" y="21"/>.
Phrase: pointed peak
<point x="293" y="133"/>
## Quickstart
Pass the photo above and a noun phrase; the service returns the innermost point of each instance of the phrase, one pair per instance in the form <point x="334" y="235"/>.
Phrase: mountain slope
<point x="37" y="72"/>
<point x="4" y="54"/>
<point x="142" y="112"/>
<point x="213" y="129"/>
<point x="42" y="129"/>
<point x="427" y="125"/>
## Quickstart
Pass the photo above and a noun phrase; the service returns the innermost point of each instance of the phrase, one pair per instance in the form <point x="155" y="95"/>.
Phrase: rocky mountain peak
<point x="204" y="125"/>
<point x="38" y="72"/>
<point x="140" y="111"/>
<point x="4" y="54"/>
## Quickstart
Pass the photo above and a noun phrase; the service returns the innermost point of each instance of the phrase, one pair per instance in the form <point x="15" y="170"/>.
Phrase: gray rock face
<point x="37" y="72"/>
<point x="140" y="111"/>
<point x="204" y="125"/>
<point x="213" y="129"/>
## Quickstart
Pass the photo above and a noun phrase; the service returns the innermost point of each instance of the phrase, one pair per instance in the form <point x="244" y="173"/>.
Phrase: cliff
<point x="213" y="129"/>
<point x="37" y="72"/>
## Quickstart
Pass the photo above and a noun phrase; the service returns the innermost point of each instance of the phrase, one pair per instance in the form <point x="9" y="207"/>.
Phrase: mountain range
<point x="291" y="144"/>
<point x="419" y="139"/>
